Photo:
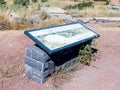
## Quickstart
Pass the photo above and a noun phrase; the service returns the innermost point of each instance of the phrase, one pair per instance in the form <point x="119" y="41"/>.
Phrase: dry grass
<point x="17" y="25"/>
<point x="10" y="70"/>
<point x="6" y="25"/>
<point x="60" y="77"/>
<point x="98" y="11"/>
<point x="118" y="25"/>
<point x="58" y="3"/>
<point x="9" y="2"/>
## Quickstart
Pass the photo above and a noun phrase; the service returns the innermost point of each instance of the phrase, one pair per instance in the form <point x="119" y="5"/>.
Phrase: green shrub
<point x="3" y="7"/>
<point x="34" y="1"/>
<point x="80" y="5"/>
<point x="22" y="2"/>
<point x="106" y="1"/>
<point x="38" y="6"/>
<point x="85" y="54"/>
<point x="17" y="7"/>
<point x="44" y="0"/>
<point x="75" y="0"/>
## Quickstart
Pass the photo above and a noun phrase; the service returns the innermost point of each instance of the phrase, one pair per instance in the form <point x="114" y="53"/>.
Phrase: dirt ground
<point x="102" y="74"/>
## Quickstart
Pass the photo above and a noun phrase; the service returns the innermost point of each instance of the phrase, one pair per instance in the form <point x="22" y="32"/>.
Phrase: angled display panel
<point x="56" y="38"/>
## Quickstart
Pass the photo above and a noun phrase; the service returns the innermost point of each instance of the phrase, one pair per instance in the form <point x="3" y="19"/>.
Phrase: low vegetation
<point x="80" y="5"/>
<point x="44" y="0"/>
<point x="10" y="70"/>
<point x="22" y="2"/>
<point x="106" y="1"/>
<point x="23" y="25"/>
<point x="86" y="54"/>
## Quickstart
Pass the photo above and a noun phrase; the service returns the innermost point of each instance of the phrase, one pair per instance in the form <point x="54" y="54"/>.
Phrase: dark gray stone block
<point x="69" y="63"/>
<point x="39" y="80"/>
<point x="50" y="64"/>
<point x="38" y="65"/>
<point x="65" y="65"/>
<point x="76" y="59"/>
<point x="28" y="52"/>
<point x="33" y="70"/>
<point x="73" y="60"/>
<point x="37" y="75"/>
<point x="37" y="53"/>
<point x="42" y="74"/>
<point x="33" y="63"/>
<point x="57" y="68"/>
<point x="28" y="71"/>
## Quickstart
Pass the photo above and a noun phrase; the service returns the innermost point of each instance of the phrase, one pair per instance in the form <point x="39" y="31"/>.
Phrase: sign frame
<point x="49" y="51"/>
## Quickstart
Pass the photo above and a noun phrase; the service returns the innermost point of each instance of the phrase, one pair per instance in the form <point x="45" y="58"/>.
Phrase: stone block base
<point x="39" y="65"/>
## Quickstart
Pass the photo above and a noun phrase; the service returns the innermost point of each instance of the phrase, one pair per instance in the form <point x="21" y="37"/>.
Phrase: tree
<point x="22" y="2"/>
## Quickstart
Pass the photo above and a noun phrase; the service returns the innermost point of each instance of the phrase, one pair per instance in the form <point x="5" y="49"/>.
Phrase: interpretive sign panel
<point x="56" y="38"/>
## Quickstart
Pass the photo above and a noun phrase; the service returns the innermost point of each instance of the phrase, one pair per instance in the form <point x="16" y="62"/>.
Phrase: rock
<point x="34" y="19"/>
<point x="113" y="7"/>
<point x="13" y="16"/>
<point x="3" y="26"/>
<point x="68" y="18"/>
<point x="52" y="10"/>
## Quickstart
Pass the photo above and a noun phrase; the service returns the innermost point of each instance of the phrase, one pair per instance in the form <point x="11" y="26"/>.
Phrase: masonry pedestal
<point x="39" y="65"/>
